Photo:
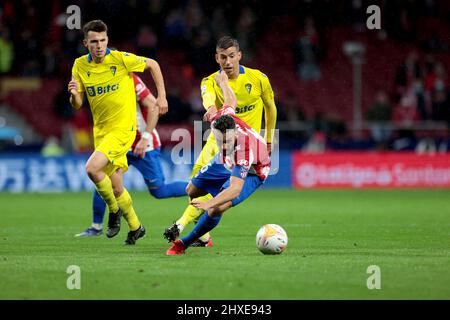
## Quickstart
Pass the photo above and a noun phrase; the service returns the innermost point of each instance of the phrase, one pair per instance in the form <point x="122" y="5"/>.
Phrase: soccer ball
<point x="271" y="239"/>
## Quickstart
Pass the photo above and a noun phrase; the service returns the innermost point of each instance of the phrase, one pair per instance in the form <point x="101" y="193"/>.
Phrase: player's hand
<point x="221" y="78"/>
<point x="141" y="146"/>
<point x="269" y="148"/>
<point x="73" y="87"/>
<point x="210" y="113"/>
<point x="203" y="205"/>
<point x="162" y="105"/>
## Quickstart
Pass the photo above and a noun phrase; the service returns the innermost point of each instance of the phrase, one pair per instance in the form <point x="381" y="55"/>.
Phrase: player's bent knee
<point x="190" y="189"/>
<point x="94" y="173"/>
<point x="157" y="192"/>
<point x="194" y="192"/>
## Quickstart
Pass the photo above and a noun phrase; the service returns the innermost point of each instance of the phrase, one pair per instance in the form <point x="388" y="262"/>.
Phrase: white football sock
<point x="97" y="226"/>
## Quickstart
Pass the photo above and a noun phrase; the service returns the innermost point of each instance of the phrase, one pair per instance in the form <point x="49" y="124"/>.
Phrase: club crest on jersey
<point x="113" y="70"/>
<point x="243" y="163"/>
<point x="248" y="86"/>
<point x="88" y="73"/>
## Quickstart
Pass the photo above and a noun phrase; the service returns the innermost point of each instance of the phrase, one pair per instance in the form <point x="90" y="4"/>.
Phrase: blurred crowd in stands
<point x="35" y="42"/>
<point x="42" y="45"/>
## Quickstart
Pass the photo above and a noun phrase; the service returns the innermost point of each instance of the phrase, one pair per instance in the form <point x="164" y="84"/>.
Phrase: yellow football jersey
<point x="252" y="88"/>
<point x="109" y="88"/>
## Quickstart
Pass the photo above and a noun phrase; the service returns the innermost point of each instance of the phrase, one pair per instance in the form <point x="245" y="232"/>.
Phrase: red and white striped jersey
<point x="141" y="114"/>
<point x="250" y="151"/>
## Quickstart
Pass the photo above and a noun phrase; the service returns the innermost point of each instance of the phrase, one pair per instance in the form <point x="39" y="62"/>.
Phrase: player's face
<point x="228" y="59"/>
<point x="96" y="42"/>
<point x="226" y="141"/>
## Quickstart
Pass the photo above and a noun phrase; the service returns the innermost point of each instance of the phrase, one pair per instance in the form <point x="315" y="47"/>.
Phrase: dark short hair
<point x="227" y="42"/>
<point x="96" y="26"/>
<point x="224" y="123"/>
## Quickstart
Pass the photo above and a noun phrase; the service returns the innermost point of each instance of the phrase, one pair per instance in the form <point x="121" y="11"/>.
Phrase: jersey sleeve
<point x="141" y="89"/>
<point x="76" y="77"/>
<point x="208" y="92"/>
<point x="133" y="63"/>
<point x="267" y="91"/>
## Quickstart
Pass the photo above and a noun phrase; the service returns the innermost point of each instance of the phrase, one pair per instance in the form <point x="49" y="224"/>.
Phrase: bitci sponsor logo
<point x="93" y="91"/>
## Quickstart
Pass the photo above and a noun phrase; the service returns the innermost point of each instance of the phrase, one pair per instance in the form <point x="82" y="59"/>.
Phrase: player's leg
<point x="169" y="190"/>
<point x="191" y="213"/>
<point x="151" y="169"/>
<point x="195" y="192"/>
<point x="208" y="180"/>
<point x="161" y="190"/>
<point x="205" y="239"/>
<point x="94" y="169"/>
<point x="98" y="211"/>
<point x="209" y="220"/>
<point x="126" y="204"/>
<point x="113" y="146"/>
<point x="173" y="232"/>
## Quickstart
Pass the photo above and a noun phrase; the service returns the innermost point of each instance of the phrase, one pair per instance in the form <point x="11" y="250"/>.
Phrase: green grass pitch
<point x="334" y="235"/>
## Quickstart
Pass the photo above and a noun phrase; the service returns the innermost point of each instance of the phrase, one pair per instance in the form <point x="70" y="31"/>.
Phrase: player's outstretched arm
<point x="228" y="95"/>
<point x="76" y="98"/>
<point x="155" y="70"/>
<point x="228" y="194"/>
<point x="148" y="102"/>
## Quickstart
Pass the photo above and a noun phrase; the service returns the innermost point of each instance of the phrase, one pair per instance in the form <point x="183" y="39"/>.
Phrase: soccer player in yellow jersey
<point x="104" y="77"/>
<point x="254" y="96"/>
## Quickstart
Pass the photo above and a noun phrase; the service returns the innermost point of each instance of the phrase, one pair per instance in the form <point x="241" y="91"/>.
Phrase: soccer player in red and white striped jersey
<point x="240" y="168"/>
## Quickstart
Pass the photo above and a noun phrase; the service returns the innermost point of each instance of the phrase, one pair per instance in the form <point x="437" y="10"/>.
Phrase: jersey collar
<point x="89" y="57"/>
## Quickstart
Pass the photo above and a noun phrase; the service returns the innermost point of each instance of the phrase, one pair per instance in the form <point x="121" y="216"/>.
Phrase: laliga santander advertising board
<point x="370" y="170"/>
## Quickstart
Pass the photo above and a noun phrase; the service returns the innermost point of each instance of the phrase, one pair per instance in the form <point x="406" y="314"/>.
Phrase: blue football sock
<point x="98" y="208"/>
<point x="174" y="189"/>
<point x="204" y="225"/>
